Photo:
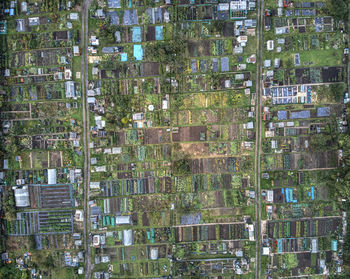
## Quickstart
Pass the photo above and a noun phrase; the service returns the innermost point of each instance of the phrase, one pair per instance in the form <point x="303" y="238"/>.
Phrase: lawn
<point x="321" y="58"/>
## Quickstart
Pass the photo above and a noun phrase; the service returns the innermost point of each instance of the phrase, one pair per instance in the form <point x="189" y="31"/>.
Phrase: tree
<point x="337" y="91"/>
<point x="171" y="52"/>
<point x="290" y="260"/>
<point x="219" y="26"/>
<point x="338" y="9"/>
<point x="182" y="166"/>
<point x="107" y="30"/>
<point x="9" y="271"/>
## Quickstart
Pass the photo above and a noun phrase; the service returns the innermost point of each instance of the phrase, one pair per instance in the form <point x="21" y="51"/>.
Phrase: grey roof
<point x="224" y="64"/>
<point x="300" y="114"/>
<point x="223" y="15"/>
<point x="22" y="196"/>
<point x="95" y="210"/>
<point x="109" y="49"/>
<point x="113" y="15"/>
<point x="38" y="241"/>
<point x="282" y="115"/>
<point x="114" y="4"/>
<point x="215" y="64"/>
<point x="324" y="111"/>
<point x="194" y="66"/>
<point x="311" y="12"/>
<point x="130" y="17"/>
<point x="191" y="219"/>
<point x="155" y="15"/>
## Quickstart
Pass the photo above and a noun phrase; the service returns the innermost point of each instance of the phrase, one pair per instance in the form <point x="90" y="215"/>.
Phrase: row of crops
<point x="29" y="223"/>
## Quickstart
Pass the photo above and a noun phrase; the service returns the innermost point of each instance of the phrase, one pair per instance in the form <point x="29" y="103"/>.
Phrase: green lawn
<point x="329" y="57"/>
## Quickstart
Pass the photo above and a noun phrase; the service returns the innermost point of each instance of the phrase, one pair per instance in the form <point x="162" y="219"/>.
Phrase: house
<point x="68" y="74"/>
<point x="242" y="39"/>
<point x="238" y="50"/>
<point x="79" y="215"/>
<point x="100" y="14"/>
<point x="80" y="270"/>
<point x="34" y="21"/>
<point x="266" y="251"/>
<point x="95" y="73"/>
<point x="105" y="259"/>
<point x="96" y="240"/>
<point x="74" y="16"/>
<point x="76" y="50"/>
<point x="95" y="185"/>
<point x="22" y="196"/>
<point x="94" y="41"/>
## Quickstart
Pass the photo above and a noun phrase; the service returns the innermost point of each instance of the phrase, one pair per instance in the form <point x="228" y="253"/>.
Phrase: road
<point x="258" y="110"/>
<point x="86" y="124"/>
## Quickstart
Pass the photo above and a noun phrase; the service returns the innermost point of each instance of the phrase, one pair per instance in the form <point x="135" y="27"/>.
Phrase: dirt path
<point x="84" y="71"/>
<point x="259" y="94"/>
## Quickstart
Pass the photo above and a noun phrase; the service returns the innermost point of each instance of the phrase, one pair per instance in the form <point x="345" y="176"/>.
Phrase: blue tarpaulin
<point x="159" y="33"/>
<point x="124" y="57"/>
<point x="279" y="246"/>
<point x="138" y="52"/>
<point x="136" y="34"/>
<point x="289" y="195"/>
